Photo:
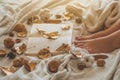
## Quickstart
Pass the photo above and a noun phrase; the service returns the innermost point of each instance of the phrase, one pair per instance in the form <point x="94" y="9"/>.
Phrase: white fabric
<point x="19" y="11"/>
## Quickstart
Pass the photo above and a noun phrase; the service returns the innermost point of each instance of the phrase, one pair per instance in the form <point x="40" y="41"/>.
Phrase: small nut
<point x="30" y="20"/>
<point x="9" y="42"/>
<point x="23" y="61"/>
<point x="81" y="66"/>
<point x="18" y="40"/>
<point x="11" y="55"/>
<point x="58" y="16"/>
<point x="2" y="53"/>
<point x="100" y="62"/>
<point x="11" y="34"/>
<point x="17" y="63"/>
<point x="54" y="65"/>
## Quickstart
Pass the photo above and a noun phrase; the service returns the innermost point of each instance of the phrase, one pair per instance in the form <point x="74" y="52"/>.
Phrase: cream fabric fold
<point x="96" y="15"/>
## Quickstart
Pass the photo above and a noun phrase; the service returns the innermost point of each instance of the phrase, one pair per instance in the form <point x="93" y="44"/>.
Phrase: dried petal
<point x="65" y="27"/>
<point x="20" y="49"/>
<point x="7" y="71"/>
<point x="37" y="21"/>
<point x="52" y="35"/>
<point x="22" y="34"/>
<point x="68" y="15"/>
<point x="64" y="47"/>
<point x="30" y="66"/>
<point x="41" y="32"/>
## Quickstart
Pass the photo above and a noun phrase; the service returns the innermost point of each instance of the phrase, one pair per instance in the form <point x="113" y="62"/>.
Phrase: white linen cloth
<point x="15" y="12"/>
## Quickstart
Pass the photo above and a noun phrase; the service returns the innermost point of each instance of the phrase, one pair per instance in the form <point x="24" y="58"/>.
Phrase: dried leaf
<point x="41" y="32"/>
<point x="8" y="71"/>
<point x="44" y="53"/>
<point x="52" y="35"/>
<point x="64" y="47"/>
<point x="65" y="27"/>
<point x="30" y="66"/>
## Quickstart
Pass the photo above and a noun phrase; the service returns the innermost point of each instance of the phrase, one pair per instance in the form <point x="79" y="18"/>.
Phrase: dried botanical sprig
<point x="8" y="71"/>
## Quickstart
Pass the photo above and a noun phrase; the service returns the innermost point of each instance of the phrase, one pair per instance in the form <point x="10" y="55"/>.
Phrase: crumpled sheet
<point x="96" y="15"/>
<point x="13" y="13"/>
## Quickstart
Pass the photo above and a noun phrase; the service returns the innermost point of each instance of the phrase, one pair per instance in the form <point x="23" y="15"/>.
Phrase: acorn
<point x="100" y="62"/>
<point x="9" y="42"/>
